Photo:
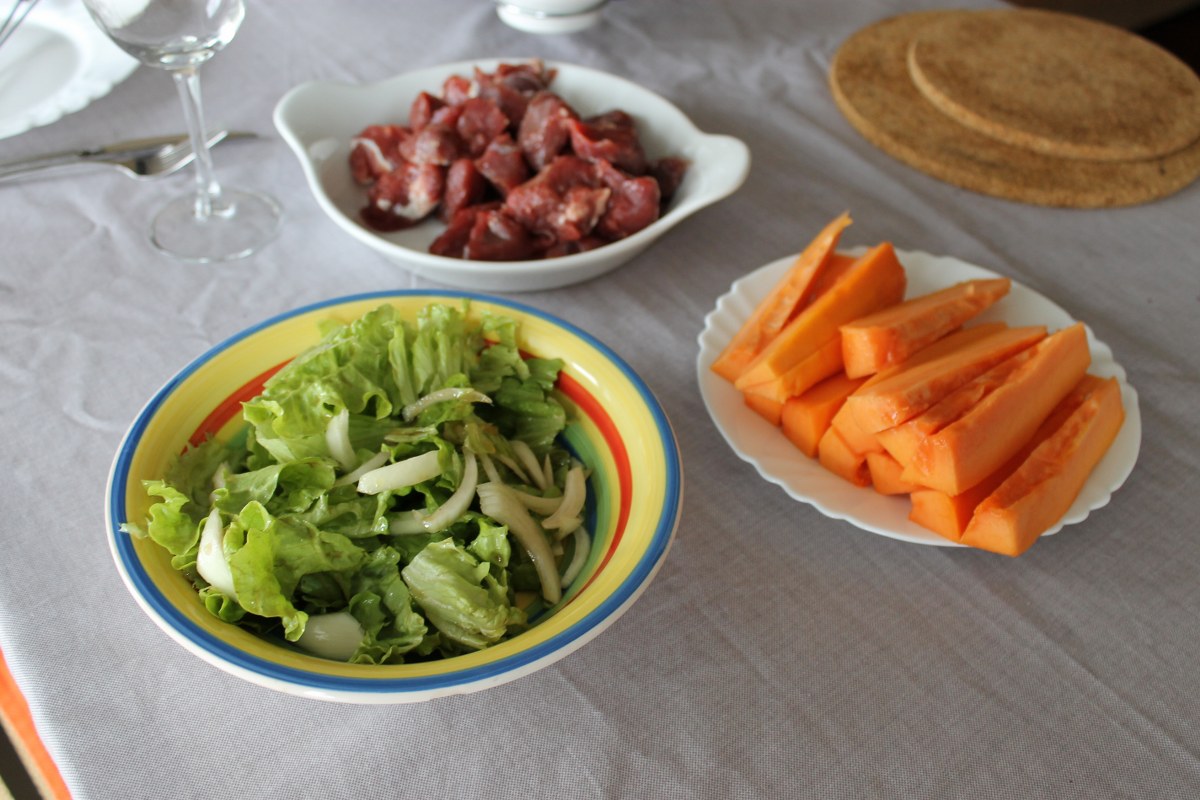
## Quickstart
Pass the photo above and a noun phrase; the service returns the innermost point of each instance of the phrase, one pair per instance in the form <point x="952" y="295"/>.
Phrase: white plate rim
<point x="762" y="445"/>
<point x="102" y="65"/>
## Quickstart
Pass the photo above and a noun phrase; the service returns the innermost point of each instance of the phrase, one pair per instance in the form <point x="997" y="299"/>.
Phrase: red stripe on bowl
<point x="231" y="405"/>
<point x="600" y="418"/>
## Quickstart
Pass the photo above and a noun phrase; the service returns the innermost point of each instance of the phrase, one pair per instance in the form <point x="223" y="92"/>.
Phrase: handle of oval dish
<point x="729" y="164"/>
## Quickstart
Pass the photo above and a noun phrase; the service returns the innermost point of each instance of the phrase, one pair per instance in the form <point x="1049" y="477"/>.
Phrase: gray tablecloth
<point x="778" y="653"/>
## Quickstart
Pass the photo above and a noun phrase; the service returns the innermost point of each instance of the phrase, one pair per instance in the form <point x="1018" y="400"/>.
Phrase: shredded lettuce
<point x="419" y="566"/>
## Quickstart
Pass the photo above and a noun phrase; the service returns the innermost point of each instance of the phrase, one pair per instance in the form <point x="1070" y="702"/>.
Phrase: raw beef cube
<point x="376" y="150"/>
<point x="422" y="110"/>
<point x="544" y="132"/>
<point x="405" y="195"/>
<point x="496" y="236"/>
<point x="669" y="172"/>
<point x="633" y="205"/>
<point x="480" y="122"/>
<point x="611" y="137"/>
<point x="432" y="144"/>
<point x="465" y="186"/>
<point x="564" y="200"/>
<point x="503" y="164"/>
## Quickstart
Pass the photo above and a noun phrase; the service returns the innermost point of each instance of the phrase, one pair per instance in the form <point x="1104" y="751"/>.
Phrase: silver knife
<point x="116" y="154"/>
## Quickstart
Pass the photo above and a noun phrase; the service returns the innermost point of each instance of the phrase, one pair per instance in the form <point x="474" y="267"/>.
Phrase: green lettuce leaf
<point x="459" y="595"/>
<point x="271" y="554"/>
<point x="383" y="606"/>
<point x="293" y="486"/>
<point x="169" y="524"/>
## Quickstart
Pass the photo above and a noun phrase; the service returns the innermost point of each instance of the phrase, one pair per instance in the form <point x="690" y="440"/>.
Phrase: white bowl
<point x="550" y="16"/>
<point x="319" y="119"/>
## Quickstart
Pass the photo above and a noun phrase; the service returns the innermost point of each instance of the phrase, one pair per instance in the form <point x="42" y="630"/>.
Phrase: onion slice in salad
<point x="337" y="437"/>
<point x="489" y="468"/>
<point x="457" y="504"/>
<point x="543" y="506"/>
<point x="511" y="463"/>
<point x="501" y="504"/>
<point x="402" y="474"/>
<point x="530" y="463"/>
<point x="374" y="462"/>
<point x="574" y="494"/>
<point x="583" y="546"/>
<point x="335" y="636"/>
<point x="407" y="523"/>
<point x="411" y="410"/>
<point x="210" y="557"/>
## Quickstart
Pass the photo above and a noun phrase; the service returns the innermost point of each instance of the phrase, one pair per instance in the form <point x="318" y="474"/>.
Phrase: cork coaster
<point x="870" y="82"/>
<point x="1057" y="83"/>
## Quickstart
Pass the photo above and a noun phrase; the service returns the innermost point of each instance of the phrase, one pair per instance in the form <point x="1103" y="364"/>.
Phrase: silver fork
<point x="150" y="161"/>
<point x="19" y="11"/>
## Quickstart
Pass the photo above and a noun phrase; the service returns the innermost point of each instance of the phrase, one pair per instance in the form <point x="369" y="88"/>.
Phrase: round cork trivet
<point x="871" y="85"/>
<point x="1057" y="83"/>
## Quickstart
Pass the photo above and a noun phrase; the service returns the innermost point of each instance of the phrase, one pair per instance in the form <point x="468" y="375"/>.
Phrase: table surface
<point x="778" y="653"/>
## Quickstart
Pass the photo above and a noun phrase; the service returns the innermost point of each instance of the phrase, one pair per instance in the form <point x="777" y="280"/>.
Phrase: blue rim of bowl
<point x="161" y="607"/>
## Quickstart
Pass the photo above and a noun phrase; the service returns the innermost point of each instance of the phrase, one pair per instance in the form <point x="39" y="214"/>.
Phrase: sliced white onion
<point x="335" y="636"/>
<point x="337" y="437"/>
<point x="567" y="528"/>
<point x="442" y="395"/>
<point x="457" y="504"/>
<point x="542" y="506"/>
<point x="220" y="479"/>
<point x="221" y="475"/>
<point x="500" y="503"/>
<point x="529" y="461"/>
<point x="210" y="558"/>
<point x="547" y="471"/>
<point x="406" y="523"/>
<point x="374" y="462"/>
<point x="408" y="472"/>
<point x="574" y="495"/>
<point x="489" y="469"/>
<point x="583" y="545"/>
<point x="514" y="466"/>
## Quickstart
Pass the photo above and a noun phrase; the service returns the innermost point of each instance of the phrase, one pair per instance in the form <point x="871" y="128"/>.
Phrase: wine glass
<point x="213" y="223"/>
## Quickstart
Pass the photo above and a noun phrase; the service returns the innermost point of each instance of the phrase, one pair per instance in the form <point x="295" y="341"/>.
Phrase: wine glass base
<point x="240" y="224"/>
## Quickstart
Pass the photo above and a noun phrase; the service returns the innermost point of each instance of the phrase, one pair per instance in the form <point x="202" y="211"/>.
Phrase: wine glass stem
<point x="208" y="190"/>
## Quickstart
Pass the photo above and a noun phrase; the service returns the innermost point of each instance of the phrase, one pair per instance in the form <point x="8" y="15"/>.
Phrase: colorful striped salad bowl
<point x="396" y="496"/>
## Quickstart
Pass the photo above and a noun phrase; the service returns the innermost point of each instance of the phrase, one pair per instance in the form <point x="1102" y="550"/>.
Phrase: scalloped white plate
<point x="56" y="63"/>
<point x="776" y="459"/>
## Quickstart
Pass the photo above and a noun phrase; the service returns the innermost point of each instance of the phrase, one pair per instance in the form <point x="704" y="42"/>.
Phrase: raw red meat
<point x="503" y="164"/>
<point x="512" y="86"/>
<point x="376" y="151"/>
<point x="563" y="201"/>
<point x="457" y="89"/>
<point x="610" y="137"/>
<point x="496" y="236"/>
<point x="511" y="169"/>
<point x="423" y="109"/>
<point x="669" y="172"/>
<point x="410" y="192"/>
<point x="480" y="122"/>
<point x="544" y="131"/>
<point x="465" y="186"/>
<point x="633" y="204"/>
<point x="432" y="144"/>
